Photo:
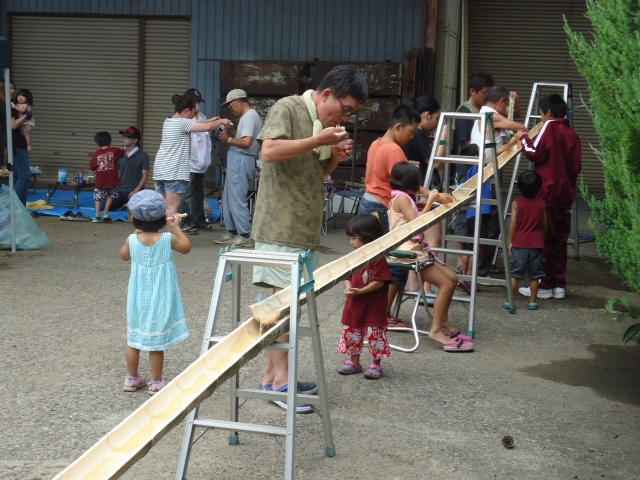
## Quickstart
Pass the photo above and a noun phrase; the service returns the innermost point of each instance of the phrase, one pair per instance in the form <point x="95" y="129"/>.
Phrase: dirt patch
<point x="612" y="372"/>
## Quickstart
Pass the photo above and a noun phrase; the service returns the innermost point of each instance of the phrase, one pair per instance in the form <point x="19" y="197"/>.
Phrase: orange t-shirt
<point x="381" y="158"/>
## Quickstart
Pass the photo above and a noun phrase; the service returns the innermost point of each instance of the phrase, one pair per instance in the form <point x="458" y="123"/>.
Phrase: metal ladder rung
<point x="485" y="280"/>
<point x="482" y="241"/>
<point x="241" y="427"/>
<point x="452" y="251"/>
<point x="271" y="395"/>
<point x="456" y="159"/>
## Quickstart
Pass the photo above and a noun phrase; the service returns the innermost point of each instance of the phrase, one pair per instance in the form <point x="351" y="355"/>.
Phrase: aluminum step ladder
<point x="486" y="125"/>
<point x="531" y="119"/>
<point x="229" y="271"/>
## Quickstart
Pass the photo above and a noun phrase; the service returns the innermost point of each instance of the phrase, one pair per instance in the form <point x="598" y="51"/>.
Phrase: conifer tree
<point x="610" y="64"/>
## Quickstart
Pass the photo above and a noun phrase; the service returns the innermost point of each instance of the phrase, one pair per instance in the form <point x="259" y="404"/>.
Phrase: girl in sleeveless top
<point x="155" y="316"/>
<point x="405" y="181"/>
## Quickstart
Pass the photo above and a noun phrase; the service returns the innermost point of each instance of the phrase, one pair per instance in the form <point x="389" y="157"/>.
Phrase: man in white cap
<point x="241" y="169"/>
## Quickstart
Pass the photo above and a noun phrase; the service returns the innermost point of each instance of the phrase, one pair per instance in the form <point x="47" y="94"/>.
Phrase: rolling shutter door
<point x="166" y="71"/>
<point x="83" y="73"/>
<point x="523" y="42"/>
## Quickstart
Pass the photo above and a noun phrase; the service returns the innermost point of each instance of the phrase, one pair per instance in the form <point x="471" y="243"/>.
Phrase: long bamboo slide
<point x="123" y="446"/>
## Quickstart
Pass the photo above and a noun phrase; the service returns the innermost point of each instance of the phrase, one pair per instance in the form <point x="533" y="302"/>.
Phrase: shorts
<point x="352" y="340"/>
<point x="527" y="259"/>
<point x="399" y="275"/>
<point x="268" y="277"/>
<point x="164" y="187"/>
<point x="103" y="193"/>
<point x="460" y="224"/>
<point x="485" y="221"/>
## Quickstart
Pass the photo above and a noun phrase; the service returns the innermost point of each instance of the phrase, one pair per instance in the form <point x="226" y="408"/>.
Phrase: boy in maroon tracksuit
<point x="556" y="154"/>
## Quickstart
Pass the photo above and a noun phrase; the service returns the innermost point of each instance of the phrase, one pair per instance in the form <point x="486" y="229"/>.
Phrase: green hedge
<point x="610" y="63"/>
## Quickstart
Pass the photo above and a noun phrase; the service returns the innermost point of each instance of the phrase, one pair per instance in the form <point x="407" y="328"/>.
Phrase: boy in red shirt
<point x="556" y="154"/>
<point x="527" y="232"/>
<point x="105" y="163"/>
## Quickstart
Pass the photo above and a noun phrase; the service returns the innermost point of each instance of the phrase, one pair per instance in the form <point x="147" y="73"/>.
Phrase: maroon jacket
<point x="556" y="154"/>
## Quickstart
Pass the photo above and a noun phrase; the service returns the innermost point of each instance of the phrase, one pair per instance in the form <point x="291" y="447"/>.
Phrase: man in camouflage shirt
<point x="297" y="153"/>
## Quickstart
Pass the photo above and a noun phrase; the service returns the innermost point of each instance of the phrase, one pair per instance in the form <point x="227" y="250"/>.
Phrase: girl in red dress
<point x="365" y="312"/>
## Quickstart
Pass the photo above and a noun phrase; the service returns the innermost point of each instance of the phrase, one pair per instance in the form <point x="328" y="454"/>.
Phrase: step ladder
<point x="531" y="119"/>
<point x="229" y="271"/>
<point x="486" y="125"/>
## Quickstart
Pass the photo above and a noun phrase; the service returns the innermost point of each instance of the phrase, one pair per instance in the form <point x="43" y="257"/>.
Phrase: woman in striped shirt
<point x="171" y="167"/>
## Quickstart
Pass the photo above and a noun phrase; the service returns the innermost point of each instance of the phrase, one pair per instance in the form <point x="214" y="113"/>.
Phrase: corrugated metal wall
<point x="287" y="30"/>
<point x="299" y="30"/>
<point x="534" y="48"/>
<point x="101" y="7"/>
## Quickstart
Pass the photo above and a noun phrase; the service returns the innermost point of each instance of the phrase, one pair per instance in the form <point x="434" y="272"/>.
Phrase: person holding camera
<point x="241" y="169"/>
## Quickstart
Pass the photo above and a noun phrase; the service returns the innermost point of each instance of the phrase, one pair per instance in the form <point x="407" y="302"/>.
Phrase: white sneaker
<point x="542" y="292"/>
<point x="558" y="292"/>
<point x="226" y="239"/>
<point x="241" y="242"/>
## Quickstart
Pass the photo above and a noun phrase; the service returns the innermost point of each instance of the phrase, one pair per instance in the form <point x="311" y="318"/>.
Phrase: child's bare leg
<point x="156" y="360"/>
<point x="535" y="284"/>
<point x="132" y="355"/>
<point x="413" y="281"/>
<point x="514" y="286"/>
<point x="98" y="208"/>
<point x="393" y="291"/>
<point x="460" y="260"/>
<point x="107" y="205"/>
<point x="466" y="265"/>
<point x="356" y="360"/>
<point x="433" y="236"/>
<point x="446" y="281"/>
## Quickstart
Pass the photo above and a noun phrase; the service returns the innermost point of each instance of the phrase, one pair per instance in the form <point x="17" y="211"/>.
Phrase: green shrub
<point x="610" y="64"/>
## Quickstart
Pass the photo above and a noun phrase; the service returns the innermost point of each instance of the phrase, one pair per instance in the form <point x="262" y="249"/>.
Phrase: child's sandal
<point x="459" y="334"/>
<point x="349" y="368"/>
<point x="374" y="372"/>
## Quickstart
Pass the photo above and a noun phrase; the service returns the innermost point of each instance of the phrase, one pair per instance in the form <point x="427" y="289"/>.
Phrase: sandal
<point x="374" y="372"/>
<point x="459" y="334"/>
<point x="190" y="230"/>
<point x="349" y="368"/>
<point x="207" y="228"/>
<point x="394" y="322"/>
<point x="131" y="384"/>
<point x="459" y="346"/>
<point x="156" y="386"/>
<point x="466" y="286"/>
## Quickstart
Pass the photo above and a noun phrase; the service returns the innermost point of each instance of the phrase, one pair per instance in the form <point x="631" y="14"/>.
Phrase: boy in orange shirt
<point x="383" y="154"/>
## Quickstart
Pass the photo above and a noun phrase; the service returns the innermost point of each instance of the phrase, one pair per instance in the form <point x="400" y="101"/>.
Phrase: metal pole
<point x="7" y="113"/>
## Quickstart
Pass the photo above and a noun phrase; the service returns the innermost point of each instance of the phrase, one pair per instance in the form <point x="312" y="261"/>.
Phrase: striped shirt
<point x="172" y="160"/>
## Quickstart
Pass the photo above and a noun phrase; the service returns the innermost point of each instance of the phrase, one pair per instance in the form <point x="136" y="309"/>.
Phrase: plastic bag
<point x="28" y="235"/>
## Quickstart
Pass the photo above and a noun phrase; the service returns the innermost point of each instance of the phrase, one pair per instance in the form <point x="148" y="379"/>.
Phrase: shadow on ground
<point x="612" y="372"/>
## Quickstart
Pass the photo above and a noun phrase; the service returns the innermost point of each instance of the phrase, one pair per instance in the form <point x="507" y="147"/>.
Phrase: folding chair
<point x="352" y="191"/>
<point x="404" y="295"/>
<point x="329" y="193"/>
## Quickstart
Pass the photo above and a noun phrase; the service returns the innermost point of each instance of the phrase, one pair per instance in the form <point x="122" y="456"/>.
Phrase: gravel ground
<point x="556" y="380"/>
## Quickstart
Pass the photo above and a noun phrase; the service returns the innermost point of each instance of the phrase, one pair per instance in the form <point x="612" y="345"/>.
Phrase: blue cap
<point x="147" y="205"/>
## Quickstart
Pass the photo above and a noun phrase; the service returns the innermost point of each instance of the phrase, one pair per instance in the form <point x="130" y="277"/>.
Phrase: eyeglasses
<point x="346" y="111"/>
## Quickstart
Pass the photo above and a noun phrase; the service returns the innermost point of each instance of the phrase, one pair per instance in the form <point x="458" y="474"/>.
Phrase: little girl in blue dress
<point x="155" y="317"/>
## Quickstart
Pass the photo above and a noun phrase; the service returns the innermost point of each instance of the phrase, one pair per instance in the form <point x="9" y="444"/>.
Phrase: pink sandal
<point x="459" y="334"/>
<point x="349" y="368"/>
<point x="459" y="346"/>
<point x="131" y="384"/>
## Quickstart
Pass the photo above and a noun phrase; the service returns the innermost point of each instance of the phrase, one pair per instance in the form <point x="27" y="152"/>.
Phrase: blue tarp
<point x="87" y="206"/>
